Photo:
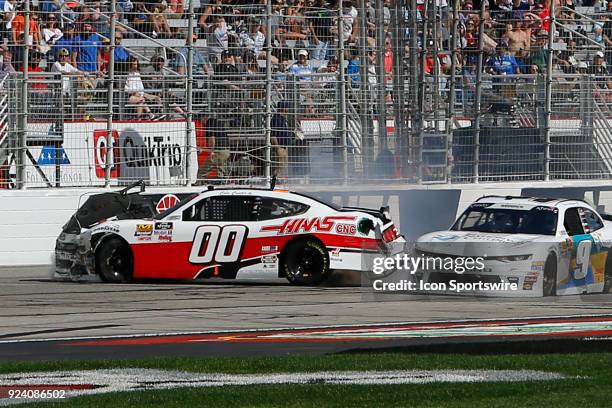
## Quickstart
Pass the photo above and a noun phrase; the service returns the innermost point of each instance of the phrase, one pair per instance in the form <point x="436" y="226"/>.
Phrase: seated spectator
<point x="38" y="82"/>
<point x="254" y="40"/>
<point x="322" y="28"/>
<point x="138" y="99"/>
<point x="201" y="65"/>
<point x="66" y="69"/>
<point x="157" y="81"/>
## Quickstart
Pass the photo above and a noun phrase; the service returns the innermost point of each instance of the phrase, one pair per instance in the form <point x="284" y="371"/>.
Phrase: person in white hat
<point x="302" y="68"/>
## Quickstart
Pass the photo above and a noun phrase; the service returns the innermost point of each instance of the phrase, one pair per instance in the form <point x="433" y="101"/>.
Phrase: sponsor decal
<point x="163" y="226"/>
<point x="143" y="238"/>
<point x="166" y="238"/>
<point x="269" y="261"/>
<point x="167" y="201"/>
<point x="106" y="228"/>
<point x="269" y="248"/>
<point x="537" y="266"/>
<point x="334" y="254"/>
<point x="50" y="155"/>
<point x="297" y="225"/>
<point x="143" y="230"/>
<point x="163" y="229"/>
<point x="346" y="229"/>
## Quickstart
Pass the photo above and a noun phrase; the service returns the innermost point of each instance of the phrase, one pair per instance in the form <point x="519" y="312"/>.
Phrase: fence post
<point x="109" y="157"/>
<point x="268" y="172"/>
<point x="548" y="96"/>
<point x="478" y="96"/>
<point x="382" y="104"/>
<point x="451" y="97"/>
<point x="23" y="125"/>
<point x="343" y="121"/>
<point x="189" y="96"/>
<point x="364" y="101"/>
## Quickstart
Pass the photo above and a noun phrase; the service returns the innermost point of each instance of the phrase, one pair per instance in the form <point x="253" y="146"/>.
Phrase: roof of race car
<point x="527" y="203"/>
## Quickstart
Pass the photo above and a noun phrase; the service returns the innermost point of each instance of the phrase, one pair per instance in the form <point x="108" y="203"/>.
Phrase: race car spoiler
<point x="382" y="213"/>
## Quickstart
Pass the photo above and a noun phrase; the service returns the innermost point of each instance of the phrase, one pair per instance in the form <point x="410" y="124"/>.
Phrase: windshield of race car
<point x="538" y="220"/>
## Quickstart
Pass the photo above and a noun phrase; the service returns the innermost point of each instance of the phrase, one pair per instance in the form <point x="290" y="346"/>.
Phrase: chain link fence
<point x="402" y="91"/>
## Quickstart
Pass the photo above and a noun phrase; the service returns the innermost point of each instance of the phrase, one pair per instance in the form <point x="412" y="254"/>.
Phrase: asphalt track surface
<point x="44" y="319"/>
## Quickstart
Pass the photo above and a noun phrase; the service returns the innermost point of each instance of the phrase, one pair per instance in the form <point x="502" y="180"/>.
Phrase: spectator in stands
<point x="160" y="24"/>
<point x="226" y="72"/>
<point x="353" y="69"/>
<point x="89" y="48"/>
<point x="321" y="28"/>
<point x="281" y="138"/>
<point x="9" y="13"/>
<point x="39" y="82"/>
<point x="67" y="41"/>
<point x="157" y="81"/>
<point x="177" y="6"/>
<point x="201" y="65"/>
<point x="51" y="33"/>
<point x="350" y="25"/>
<point x="6" y="67"/>
<point x="138" y="99"/>
<point x="18" y="25"/>
<point x="539" y="55"/>
<point x="121" y="54"/>
<point x="254" y="40"/>
<point x="600" y="72"/>
<point x="140" y="18"/>
<point x="502" y="63"/>
<point x="295" y="27"/>
<point x="301" y="68"/>
<point x="66" y="69"/>
<point x="218" y="38"/>
<point x="217" y="142"/>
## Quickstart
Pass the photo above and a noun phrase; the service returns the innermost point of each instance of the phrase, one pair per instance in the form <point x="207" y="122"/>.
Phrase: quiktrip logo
<point x="100" y="150"/>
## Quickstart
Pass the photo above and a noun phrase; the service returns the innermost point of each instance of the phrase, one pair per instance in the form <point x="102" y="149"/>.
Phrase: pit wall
<point x="30" y="220"/>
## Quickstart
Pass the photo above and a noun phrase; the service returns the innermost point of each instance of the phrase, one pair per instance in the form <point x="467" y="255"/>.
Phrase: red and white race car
<point x="221" y="233"/>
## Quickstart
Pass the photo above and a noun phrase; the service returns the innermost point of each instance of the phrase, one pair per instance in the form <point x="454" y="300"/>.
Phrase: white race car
<point x="545" y="246"/>
<point x="221" y="233"/>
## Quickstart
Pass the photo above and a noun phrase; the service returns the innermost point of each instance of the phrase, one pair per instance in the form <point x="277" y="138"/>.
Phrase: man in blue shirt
<point x="121" y="54"/>
<point x="302" y="68"/>
<point x="89" y="49"/>
<point x="502" y="63"/>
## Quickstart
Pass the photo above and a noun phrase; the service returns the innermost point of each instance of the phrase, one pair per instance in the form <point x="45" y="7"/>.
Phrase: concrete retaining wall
<point x="31" y="220"/>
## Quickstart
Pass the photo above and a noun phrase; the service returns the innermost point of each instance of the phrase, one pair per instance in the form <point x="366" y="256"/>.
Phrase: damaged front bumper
<point x="74" y="256"/>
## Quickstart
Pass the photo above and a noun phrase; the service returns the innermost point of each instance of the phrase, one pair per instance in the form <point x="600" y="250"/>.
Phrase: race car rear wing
<point x="382" y="214"/>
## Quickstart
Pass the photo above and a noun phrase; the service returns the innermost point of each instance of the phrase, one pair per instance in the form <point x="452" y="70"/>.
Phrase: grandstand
<point x="312" y="91"/>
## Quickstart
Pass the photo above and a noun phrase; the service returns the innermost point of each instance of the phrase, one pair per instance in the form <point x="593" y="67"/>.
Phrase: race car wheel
<point x="114" y="261"/>
<point x="305" y="262"/>
<point x="549" y="284"/>
<point x="608" y="273"/>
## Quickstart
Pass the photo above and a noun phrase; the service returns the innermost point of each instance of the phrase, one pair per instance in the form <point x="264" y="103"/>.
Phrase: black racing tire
<point x="549" y="280"/>
<point x="114" y="261"/>
<point x="305" y="262"/>
<point x="608" y="273"/>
